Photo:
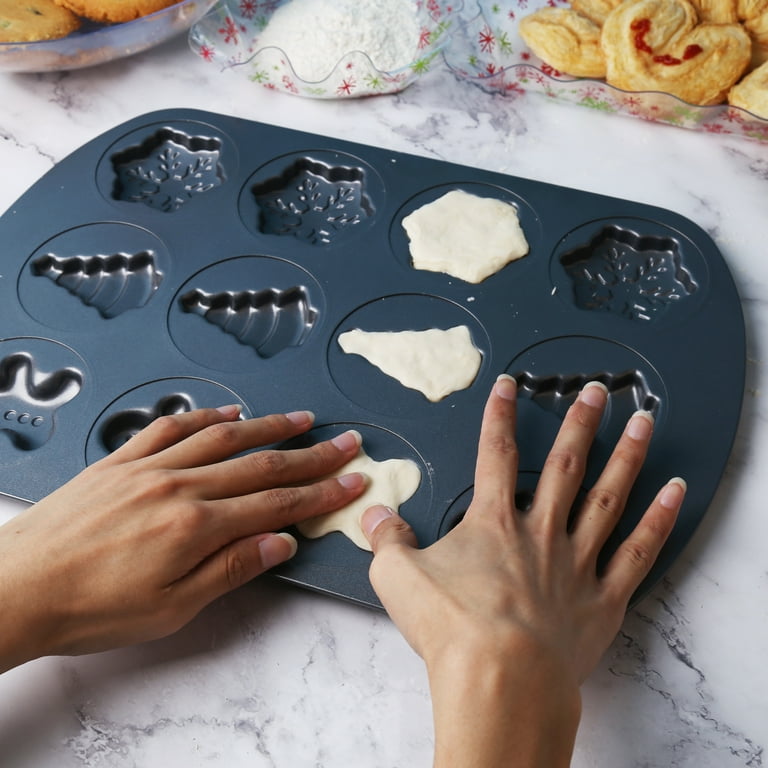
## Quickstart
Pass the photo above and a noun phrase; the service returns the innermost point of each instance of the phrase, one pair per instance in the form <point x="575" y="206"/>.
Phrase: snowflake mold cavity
<point x="629" y="274"/>
<point x="313" y="200"/>
<point x="167" y="170"/>
<point x="29" y="399"/>
<point x="111" y="284"/>
<point x="268" y="320"/>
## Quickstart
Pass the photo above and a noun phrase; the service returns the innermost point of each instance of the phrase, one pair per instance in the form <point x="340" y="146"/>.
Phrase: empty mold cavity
<point x="29" y="399"/>
<point x="111" y="284"/>
<point x="524" y="492"/>
<point x="632" y="275"/>
<point x="313" y="201"/>
<point x="137" y="408"/>
<point x="239" y="313"/>
<point x="268" y="320"/>
<point x="123" y="425"/>
<point x="557" y="393"/>
<point x="167" y="169"/>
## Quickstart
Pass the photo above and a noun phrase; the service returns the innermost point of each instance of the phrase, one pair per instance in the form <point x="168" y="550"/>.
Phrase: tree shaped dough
<point x="435" y="362"/>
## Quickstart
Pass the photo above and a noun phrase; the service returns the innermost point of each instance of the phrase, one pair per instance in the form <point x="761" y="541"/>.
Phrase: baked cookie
<point x="34" y="20"/>
<point x="114" y="11"/>
<point x="751" y="93"/>
<point x="659" y="45"/>
<point x="566" y="40"/>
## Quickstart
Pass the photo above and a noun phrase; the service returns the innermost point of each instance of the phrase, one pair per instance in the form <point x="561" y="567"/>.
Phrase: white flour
<point x="315" y="34"/>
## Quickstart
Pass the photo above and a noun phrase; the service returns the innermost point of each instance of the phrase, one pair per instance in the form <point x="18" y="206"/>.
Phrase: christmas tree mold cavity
<point x="167" y="170"/>
<point x="111" y="284"/>
<point x="124" y="425"/>
<point x="635" y="276"/>
<point x="29" y="399"/>
<point x="269" y="320"/>
<point x="557" y="393"/>
<point x="312" y="201"/>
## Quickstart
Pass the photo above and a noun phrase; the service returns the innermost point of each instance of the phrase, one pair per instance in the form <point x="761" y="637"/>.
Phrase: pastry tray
<point x="488" y="51"/>
<point x="187" y="259"/>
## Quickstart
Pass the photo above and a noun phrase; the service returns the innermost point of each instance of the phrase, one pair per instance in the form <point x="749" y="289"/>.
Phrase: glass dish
<point x="229" y="37"/>
<point x="98" y="43"/>
<point x="487" y="50"/>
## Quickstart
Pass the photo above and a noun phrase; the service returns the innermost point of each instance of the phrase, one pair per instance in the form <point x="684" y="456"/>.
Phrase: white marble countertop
<point x="275" y="676"/>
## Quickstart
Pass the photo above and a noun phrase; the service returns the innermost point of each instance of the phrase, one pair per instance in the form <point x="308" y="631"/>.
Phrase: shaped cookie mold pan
<point x="189" y="259"/>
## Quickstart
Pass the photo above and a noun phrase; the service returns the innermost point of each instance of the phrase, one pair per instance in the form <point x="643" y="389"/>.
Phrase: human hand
<point x="508" y="610"/>
<point x="139" y="542"/>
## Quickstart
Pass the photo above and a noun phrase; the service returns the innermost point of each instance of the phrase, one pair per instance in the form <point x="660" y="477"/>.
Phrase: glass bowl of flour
<point x="327" y="49"/>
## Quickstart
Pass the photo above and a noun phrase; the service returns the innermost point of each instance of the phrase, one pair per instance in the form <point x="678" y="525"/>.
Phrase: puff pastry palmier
<point x="716" y="11"/>
<point x="751" y="9"/>
<point x="751" y="92"/>
<point x="659" y="45"/>
<point x="566" y="40"/>
<point x="757" y="29"/>
<point x="596" y="10"/>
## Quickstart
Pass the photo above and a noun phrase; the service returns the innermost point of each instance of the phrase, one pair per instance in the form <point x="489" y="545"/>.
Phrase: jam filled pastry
<point x="659" y="45"/>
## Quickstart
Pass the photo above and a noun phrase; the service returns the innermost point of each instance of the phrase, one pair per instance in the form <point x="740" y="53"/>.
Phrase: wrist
<point x="23" y="619"/>
<point x="508" y="705"/>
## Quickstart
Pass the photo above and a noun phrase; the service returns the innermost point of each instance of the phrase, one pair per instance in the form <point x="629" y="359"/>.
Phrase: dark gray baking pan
<point x="188" y="259"/>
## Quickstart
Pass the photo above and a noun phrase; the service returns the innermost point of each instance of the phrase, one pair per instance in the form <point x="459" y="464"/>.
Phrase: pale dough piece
<point x="434" y="362"/>
<point x="390" y="483"/>
<point x="464" y="235"/>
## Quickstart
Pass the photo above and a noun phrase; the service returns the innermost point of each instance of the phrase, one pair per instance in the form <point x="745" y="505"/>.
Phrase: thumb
<point x="383" y="527"/>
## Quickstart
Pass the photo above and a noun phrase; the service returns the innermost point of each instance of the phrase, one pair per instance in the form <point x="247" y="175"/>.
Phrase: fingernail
<point x="640" y="425"/>
<point x="300" y="418"/>
<point x="673" y="492"/>
<point x="506" y="387"/>
<point x="373" y="517"/>
<point x="273" y="551"/>
<point x="594" y="394"/>
<point x="353" y="480"/>
<point x="230" y="410"/>
<point x="348" y="440"/>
